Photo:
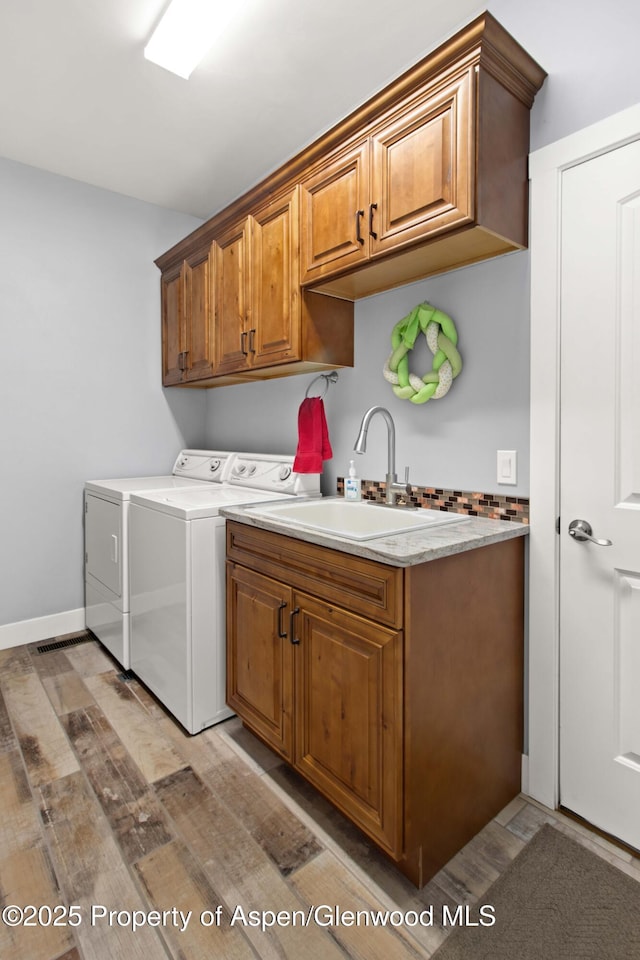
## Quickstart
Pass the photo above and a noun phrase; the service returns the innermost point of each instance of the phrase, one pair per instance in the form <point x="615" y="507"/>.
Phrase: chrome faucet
<point x="392" y="485"/>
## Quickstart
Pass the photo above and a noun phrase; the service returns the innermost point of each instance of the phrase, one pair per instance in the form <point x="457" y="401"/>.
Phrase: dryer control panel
<point x="208" y="465"/>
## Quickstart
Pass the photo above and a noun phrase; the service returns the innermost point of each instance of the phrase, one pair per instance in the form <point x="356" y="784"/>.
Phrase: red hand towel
<point x="313" y="437"/>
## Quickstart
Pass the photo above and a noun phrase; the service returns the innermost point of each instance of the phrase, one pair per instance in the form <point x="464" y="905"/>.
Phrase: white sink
<point x="355" y="521"/>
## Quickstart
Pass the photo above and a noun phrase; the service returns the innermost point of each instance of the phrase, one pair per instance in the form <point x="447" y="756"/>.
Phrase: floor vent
<point x="67" y="642"/>
<point x="126" y="676"/>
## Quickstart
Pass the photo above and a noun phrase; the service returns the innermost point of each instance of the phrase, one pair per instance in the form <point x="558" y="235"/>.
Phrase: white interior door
<point x="600" y="483"/>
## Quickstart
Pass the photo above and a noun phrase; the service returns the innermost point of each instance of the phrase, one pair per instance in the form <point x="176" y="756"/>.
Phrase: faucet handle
<point x="406" y="481"/>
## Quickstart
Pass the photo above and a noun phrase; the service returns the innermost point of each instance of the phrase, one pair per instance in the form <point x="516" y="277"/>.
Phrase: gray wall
<point x="590" y="52"/>
<point x="80" y="392"/>
<point x="450" y="442"/>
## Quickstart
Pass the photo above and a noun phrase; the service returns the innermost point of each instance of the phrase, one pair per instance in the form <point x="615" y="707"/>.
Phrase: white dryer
<point x="106" y="510"/>
<point x="177" y="577"/>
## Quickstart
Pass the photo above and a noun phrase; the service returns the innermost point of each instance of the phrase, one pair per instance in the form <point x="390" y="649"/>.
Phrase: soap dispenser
<point x="352" y="488"/>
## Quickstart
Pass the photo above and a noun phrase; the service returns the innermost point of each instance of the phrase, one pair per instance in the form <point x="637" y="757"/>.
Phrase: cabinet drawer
<point x="371" y="589"/>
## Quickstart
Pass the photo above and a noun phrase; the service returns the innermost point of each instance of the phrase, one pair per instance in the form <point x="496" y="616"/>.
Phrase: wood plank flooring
<point x="208" y="846"/>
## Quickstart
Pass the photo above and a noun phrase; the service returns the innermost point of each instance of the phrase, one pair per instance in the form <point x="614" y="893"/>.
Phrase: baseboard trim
<point x="525" y="773"/>
<point x="41" y="628"/>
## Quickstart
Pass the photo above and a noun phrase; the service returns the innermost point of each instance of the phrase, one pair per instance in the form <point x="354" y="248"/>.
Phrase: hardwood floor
<point x="107" y="806"/>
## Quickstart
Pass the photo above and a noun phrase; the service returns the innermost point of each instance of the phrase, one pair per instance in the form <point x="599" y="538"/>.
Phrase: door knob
<point x="581" y="530"/>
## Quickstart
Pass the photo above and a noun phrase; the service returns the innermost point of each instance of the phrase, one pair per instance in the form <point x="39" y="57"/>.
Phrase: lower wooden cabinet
<point x="348" y="714"/>
<point x="259" y="663"/>
<point x="396" y="692"/>
<point x="297" y="663"/>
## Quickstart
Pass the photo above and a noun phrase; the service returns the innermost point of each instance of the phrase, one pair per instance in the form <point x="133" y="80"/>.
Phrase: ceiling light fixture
<point x="187" y="32"/>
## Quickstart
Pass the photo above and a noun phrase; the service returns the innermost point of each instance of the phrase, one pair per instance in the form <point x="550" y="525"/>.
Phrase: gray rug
<point x="556" y="901"/>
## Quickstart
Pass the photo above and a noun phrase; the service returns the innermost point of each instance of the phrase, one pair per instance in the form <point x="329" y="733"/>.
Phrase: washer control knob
<point x="240" y="469"/>
<point x="214" y="465"/>
<point x="284" y="472"/>
<point x="252" y="469"/>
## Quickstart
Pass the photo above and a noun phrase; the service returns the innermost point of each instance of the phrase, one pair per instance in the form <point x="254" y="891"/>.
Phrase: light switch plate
<point x="507" y="468"/>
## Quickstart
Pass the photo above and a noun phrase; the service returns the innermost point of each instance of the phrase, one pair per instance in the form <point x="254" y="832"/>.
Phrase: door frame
<point x="541" y="778"/>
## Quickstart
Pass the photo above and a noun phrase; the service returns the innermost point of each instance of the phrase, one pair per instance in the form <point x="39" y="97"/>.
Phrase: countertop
<point x="399" y="550"/>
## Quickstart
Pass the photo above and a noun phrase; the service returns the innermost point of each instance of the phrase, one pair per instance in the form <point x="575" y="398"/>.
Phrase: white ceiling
<point x="78" y="98"/>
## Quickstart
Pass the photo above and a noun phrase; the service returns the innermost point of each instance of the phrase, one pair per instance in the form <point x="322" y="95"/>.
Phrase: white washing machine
<point x="177" y="578"/>
<point x="106" y="510"/>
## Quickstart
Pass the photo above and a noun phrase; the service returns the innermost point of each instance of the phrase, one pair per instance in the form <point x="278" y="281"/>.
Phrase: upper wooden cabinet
<point x="410" y="179"/>
<point x="187" y="319"/>
<point x="232" y="298"/>
<point x="258" y="304"/>
<point x="237" y="312"/>
<point x="428" y="175"/>
<point x="334" y="201"/>
<point x="275" y="288"/>
<point x="422" y="167"/>
<point x="172" y="306"/>
<point x="441" y="175"/>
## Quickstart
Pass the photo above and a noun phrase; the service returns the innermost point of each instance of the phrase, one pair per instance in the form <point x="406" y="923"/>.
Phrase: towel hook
<point x="328" y="378"/>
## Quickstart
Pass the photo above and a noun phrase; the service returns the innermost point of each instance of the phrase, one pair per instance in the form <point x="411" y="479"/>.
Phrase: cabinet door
<point x="349" y="716"/>
<point x="199" y="337"/>
<point x="333" y="231"/>
<point x="423" y="168"/>
<point x="274" y="336"/>
<point x="259" y="655"/>
<point x="173" y="333"/>
<point x="232" y="298"/>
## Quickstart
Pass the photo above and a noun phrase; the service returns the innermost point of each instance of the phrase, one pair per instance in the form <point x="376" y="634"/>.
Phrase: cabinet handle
<point x="252" y="334"/>
<point x="372" y="233"/>
<point x="281" y="633"/>
<point x="359" y="237"/>
<point x="291" y="616"/>
<point x="243" y="343"/>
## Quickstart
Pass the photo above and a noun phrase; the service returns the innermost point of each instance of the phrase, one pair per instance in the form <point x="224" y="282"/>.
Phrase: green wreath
<point x="442" y="339"/>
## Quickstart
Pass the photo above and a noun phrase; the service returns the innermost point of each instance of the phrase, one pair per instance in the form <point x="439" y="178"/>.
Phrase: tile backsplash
<point x="494" y="506"/>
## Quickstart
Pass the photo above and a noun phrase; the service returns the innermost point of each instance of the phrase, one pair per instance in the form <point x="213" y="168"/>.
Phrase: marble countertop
<point x="399" y="550"/>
